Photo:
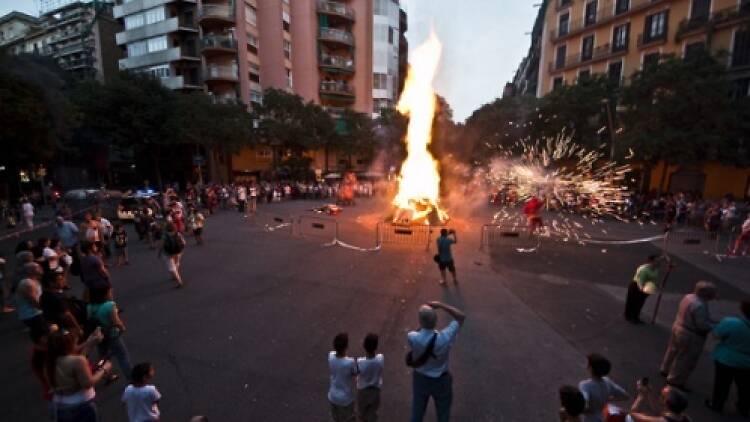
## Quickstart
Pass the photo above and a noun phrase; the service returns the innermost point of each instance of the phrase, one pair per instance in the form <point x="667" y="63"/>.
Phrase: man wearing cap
<point x="689" y="331"/>
<point x="641" y="286"/>
<point x="431" y="377"/>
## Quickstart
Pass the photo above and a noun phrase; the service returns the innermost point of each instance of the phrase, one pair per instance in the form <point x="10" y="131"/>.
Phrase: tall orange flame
<point x="419" y="180"/>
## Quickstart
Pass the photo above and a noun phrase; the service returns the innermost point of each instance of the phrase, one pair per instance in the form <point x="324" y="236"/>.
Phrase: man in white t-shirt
<point x="141" y="398"/>
<point x="28" y="213"/>
<point x="242" y="199"/>
<point x="432" y="378"/>
<point x="343" y="371"/>
<point x="369" y="380"/>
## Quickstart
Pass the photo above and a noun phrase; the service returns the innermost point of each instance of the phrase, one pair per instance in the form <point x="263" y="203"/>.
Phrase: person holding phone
<point x="444" y="257"/>
<point x="72" y="379"/>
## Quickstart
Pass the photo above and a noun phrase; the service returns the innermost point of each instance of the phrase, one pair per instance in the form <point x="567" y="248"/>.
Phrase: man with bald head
<point x="430" y="350"/>
<point x="689" y="332"/>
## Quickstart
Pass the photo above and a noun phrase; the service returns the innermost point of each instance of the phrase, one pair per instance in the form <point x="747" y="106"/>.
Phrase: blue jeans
<point x="84" y="412"/>
<point x="440" y="389"/>
<point x="115" y="348"/>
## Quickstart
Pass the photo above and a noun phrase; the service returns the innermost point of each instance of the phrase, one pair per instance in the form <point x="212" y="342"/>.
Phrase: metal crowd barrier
<point x="405" y="234"/>
<point x="309" y="225"/>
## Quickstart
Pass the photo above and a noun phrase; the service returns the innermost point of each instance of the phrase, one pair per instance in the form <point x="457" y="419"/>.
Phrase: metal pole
<point x="661" y="288"/>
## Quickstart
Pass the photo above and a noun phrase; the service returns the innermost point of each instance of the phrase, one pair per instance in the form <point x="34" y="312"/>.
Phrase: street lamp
<point x="610" y="127"/>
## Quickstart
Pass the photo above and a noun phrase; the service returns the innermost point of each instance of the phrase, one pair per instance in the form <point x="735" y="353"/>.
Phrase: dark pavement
<point x="247" y="338"/>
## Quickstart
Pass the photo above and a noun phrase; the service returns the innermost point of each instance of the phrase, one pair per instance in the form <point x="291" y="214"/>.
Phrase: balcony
<point x="220" y="73"/>
<point x="338" y="36"/>
<point x="336" y="9"/>
<point x="337" y="90"/>
<point x="717" y="19"/>
<point x="602" y="52"/>
<point x="135" y="6"/>
<point x="179" y="82"/>
<point x="215" y="45"/>
<point x="605" y="14"/>
<point x="648" y="41"/>
<point x="160" y="57"/>
<point x="334" y="111"/>
<point x="152" y="30"/>
<point x="216" y="15"/>
<point x="336" y="64"/>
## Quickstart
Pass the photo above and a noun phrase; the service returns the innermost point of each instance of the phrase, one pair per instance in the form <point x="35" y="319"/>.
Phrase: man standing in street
<point x="242" y="199"/>
<point x="28" y="213"/>
<point x="67" y="232"/>
<point x="444" y="256"/>
<point x="641" y="286"/>
<point x="689" y="331"/>
<point x="172" y="246"/>
<point x="430" y="350"/>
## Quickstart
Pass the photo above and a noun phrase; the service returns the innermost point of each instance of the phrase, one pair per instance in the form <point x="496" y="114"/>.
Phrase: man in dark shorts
<point x="444" y="257"/>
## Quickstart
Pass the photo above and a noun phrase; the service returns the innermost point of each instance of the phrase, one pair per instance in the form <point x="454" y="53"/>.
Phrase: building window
<point x="563" y="24"/>
<point x="651" y="60"/>
<point x="157" y="43"/>
<point x="656" y="26"/>
<point x="289" y="82"/>
<point x="560" y="56"/>
<point x="161" y="71"/>
<point x="251" y="15"/>
<point x="285" y="21"/>
<point x="584" y="75"/>
<point x="587" y="48"/>
<point x="390" y="35"/>
<point x="379" y="81"/>
<point x="614" y="72"/>
<point x="590" y="16"/>
<point x="381" y="7"/>
<point x="133" y="21"/>
<point x="254" y="77"/>
<point x="288" y="49"/>
<point x="256" y="96"/>
<point x="701" y="10"/>
<point x="558" y="82"/>
<point x="741" y="48"/>
<point x="622" y="6"/>
<point x="154" y="15"/>
<point x="694" y="50"/>
<point x="252" y="44"/>
<point x="620" y="37"/>
<point x="564" y="3"/>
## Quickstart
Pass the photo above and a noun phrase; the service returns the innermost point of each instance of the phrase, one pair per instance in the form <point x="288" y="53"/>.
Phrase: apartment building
<point x="386" y="60"/>
<point x="619" y="37"/>
<point x="80" y="35"/>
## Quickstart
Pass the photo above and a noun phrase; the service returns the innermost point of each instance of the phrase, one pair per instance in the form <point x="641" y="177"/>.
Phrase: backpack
<point x="174" y="244"/>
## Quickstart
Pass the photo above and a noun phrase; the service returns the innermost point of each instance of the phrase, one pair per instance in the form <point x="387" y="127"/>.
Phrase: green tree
<point x="678" y="112"/>
<point x="499" y="124"/>
<point x="357" y="136"/>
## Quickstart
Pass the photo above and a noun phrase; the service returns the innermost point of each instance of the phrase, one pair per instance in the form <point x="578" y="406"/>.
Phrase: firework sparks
<point x="569" y="177"/>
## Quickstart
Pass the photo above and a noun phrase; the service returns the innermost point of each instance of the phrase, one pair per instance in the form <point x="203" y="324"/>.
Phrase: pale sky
<point x="483" y="43"/>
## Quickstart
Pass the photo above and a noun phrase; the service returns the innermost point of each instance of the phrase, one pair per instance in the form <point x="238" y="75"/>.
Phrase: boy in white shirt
<point x="343" y="371"/>
<point x="141" y="398"/>
<point x="369" y="380"/>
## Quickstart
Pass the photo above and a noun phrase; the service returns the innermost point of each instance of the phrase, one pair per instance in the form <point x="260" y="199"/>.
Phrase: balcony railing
<point x="339" y="62"/>
<point x="601" y="52"/>
<point x="645" y="41"/>
<point x="717" y="17"/>
<point x="337" y="88"/>
<point x="336" y="8"/>
<point x="338" y="35"/>
<point x="219" y="41"/>
<point x="336" y="111"/>
<point x="220" y="72"/>
<point x="216" y="11"/>
<point x="605" y="13"/>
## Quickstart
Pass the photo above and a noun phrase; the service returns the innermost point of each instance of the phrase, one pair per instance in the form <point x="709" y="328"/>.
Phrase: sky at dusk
<point x="483" y="42"/>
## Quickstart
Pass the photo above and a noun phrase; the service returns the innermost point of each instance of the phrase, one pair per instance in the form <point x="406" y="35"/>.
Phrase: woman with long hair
<point x="72" y="379"/>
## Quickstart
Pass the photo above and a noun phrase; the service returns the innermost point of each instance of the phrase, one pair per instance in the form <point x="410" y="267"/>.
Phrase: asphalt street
<point x="247" y="338"/>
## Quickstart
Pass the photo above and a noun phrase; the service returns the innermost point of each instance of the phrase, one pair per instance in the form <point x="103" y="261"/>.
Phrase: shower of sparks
<point x="577" y="185"/>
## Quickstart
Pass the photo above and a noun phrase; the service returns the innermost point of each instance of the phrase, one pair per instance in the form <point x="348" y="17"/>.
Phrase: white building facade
<point x="386" y="31"/>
